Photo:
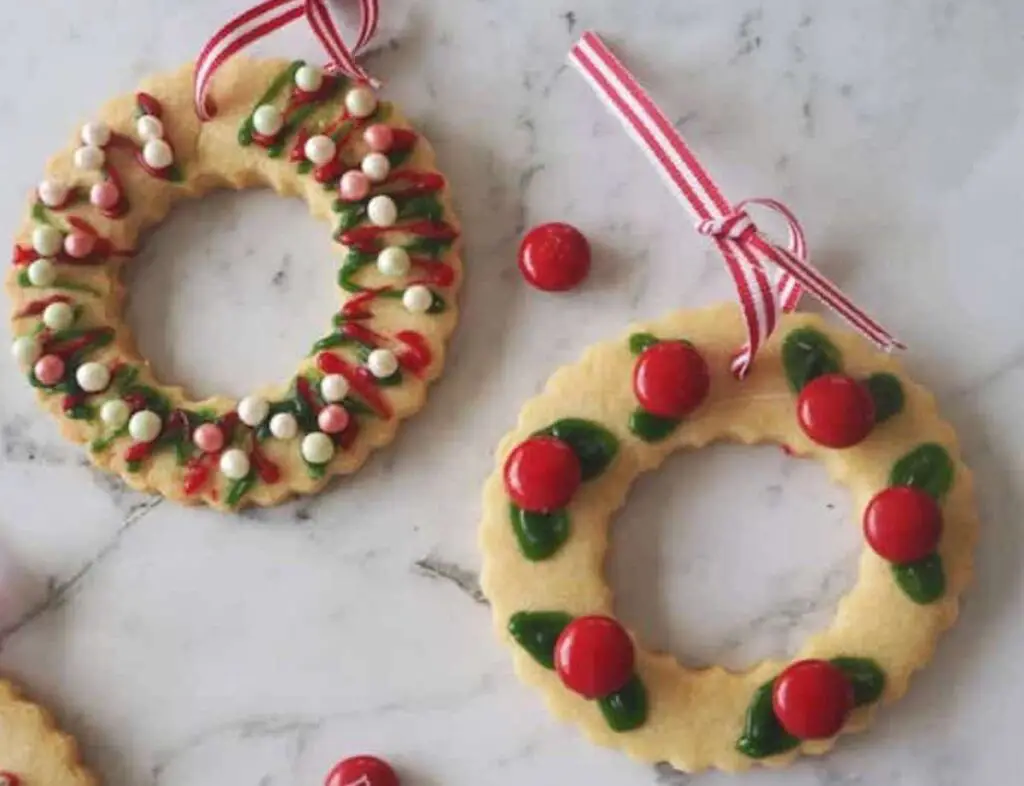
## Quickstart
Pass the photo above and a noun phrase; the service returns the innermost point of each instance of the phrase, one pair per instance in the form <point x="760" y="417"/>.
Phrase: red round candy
<point x="812" y="699"/>
<point x="835" y="410"/>
<point x="902" y="524"/>
<point x="554" y="257"/>
<point x="594" y="656"/>
<point x="362" y="771"/>
<point x="670" y="379"/>
<point x="542" y="474"/>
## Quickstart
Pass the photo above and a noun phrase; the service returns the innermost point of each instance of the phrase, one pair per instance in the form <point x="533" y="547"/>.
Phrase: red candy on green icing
<point x="835" y="410"/>
<point x="812" y="699"/>
<point x="542" y="474"/>
<point x="902" y="524"/>
<point x="670" y="379"/>
<point x="554" y="257"/>
<point x="594" y="656"/>
<point x="362" y="771"/>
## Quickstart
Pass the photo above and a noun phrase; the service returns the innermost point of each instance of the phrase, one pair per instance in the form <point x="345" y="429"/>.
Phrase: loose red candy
<point x="554" y="257"/>
<point x="812" y="699"/>
<point x="902" y="524"/>
<point x="362" y="771"/>
<point x="542" y="474"/>
<point x="594" y="656"/>
<point x="670" y="379"/>
<point x="835" y="410"/>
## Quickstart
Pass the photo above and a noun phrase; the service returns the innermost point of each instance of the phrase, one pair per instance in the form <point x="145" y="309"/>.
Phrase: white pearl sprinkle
<point x="417" y="299"/>
<point x="253" y="410"/>
<point x="376" y="167"/>
<point x="393" y="261"/>
<point x="320" y="149"/>
<point x="26" y="350"/>
<point x="334" y="387"/>
<point x="382" y="211"/>
<point x="157" y="154"/>
<point x="96" y="134"/>
<point x="89" y="157"/>
<point x="267" y="120"/>
<point x="234" y="464"/>
<point x="382" y="363"/>
<point x="149" y="127"/>
<point x="317" y="448"/>
<point x="93" y="377"/>
<point x="115" y="413"/>
<point x="284" y="426"/>
<point x="309" y="78"/>
<point x="58" y="316"/>
<point x="47" y="241"/>
<point x="145" y="426"/>
<point x="360" y="101"/>
<point x="42" y="273"/>
<point x="53" y="193"/>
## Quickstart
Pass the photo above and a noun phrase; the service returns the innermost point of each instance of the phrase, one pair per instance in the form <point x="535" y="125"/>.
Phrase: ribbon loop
<point x="271" y="15"/>
<point x="748" y="255"/>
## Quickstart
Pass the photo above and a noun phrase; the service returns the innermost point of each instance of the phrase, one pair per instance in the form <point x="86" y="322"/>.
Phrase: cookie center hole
<point x="732" y="554"/>
<point x="231" y="291"/>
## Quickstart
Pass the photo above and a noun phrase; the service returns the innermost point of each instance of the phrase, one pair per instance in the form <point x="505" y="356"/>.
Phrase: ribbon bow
<point x="744" y="249"/>
<point x="271" y="15"/>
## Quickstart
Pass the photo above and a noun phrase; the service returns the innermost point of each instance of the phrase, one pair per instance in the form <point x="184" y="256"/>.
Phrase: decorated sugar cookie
<point x="301" y="130"/>
<point x="569" y="463"/>
<point x="681" y="383"/>
<point x="33" y="752"/>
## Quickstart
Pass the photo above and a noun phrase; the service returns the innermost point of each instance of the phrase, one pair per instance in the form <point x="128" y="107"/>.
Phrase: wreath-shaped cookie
<point x="32" y="749"/>
<point x="302" y="132"/>
<point x="620" y="411"/>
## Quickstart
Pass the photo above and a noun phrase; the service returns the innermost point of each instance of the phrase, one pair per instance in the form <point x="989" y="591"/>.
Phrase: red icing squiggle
<point x="359" y="378"/>
<point x="37" y="307"/>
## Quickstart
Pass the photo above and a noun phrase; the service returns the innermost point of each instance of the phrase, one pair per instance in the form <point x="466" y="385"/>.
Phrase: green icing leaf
<point x="539" y="535"/>
<point x="887" y="394"/>
<point x="350" y="214"/>
<point x="305" y="167"/>
<point x="626" y="709"/>
<point x="650" y="427"/>
<point x="594" y="445"/>
<point x="282" y="80"/>
<point x="427" y="246"/>
<point x="807" y="354"/>
<point x="398" y="157"/>
<point x="927" y="467"/>
<point x="437" y="304"/>
<point x="389" y="382"/>
<point x="316" y="471"/>
<point x="239" y="488"/>
<point x="923" y="581"/>
<point x="537" y="632"/>
<point x="330" y="342"/>
<point x="427" y="206"/>
<point x="80" y="412"/>
<point x="638" y="342"/>
<point x="763" y="735"/>
<point x="39" y="213"/>
<point x="867" y="677"/>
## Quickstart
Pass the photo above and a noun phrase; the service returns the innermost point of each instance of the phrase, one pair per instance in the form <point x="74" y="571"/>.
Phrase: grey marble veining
<point x="186" y="647"/>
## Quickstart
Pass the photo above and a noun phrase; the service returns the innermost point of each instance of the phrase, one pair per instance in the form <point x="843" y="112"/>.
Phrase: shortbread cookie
<point x="289" y="126"/>
<point x="33" y="752"/>
<point x="622" y="410"/>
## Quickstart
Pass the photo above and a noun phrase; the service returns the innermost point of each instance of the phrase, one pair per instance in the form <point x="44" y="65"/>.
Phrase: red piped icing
<point x="360" y="379"/>
<point x="268" y="471"/>
<point x="415" y="355"/>
<point x="365" y="238"/>
<point x="37" y="307"/>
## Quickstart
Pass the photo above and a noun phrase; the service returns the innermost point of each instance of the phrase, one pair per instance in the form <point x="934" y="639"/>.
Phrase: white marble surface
<point x="187" y="648"/>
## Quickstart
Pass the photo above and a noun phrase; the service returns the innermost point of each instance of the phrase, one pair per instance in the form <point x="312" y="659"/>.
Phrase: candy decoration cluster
<point x="809" y="700"/>
<point x="379" y="196"/>
<point x="594" y="658"/>
<point x="902" y="523"/>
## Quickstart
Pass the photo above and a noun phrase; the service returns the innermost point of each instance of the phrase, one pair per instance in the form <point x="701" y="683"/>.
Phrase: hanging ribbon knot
<point x="271" y="15"/>
<point x="748" y="255"/>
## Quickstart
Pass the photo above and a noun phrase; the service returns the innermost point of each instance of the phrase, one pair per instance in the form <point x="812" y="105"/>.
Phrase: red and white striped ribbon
<point x="271" y="15"/>
<point x="744" y="249"/>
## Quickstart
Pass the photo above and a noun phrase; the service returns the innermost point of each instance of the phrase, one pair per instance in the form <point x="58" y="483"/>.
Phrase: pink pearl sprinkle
<point x="105" y="195"/>
<point x="354" y="186"/>
<point x="79" y="245"/>
<point x="208" y="438"/>
<point x="49" y="370"/>
<point x="333" y="419"/>
<point x="379" y="137"/>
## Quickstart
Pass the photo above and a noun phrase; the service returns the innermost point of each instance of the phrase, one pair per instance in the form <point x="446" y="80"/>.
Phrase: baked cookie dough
<point x="291" y="127"/>
<point x="33" y="752"/>
<point x="620" y="411"/>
